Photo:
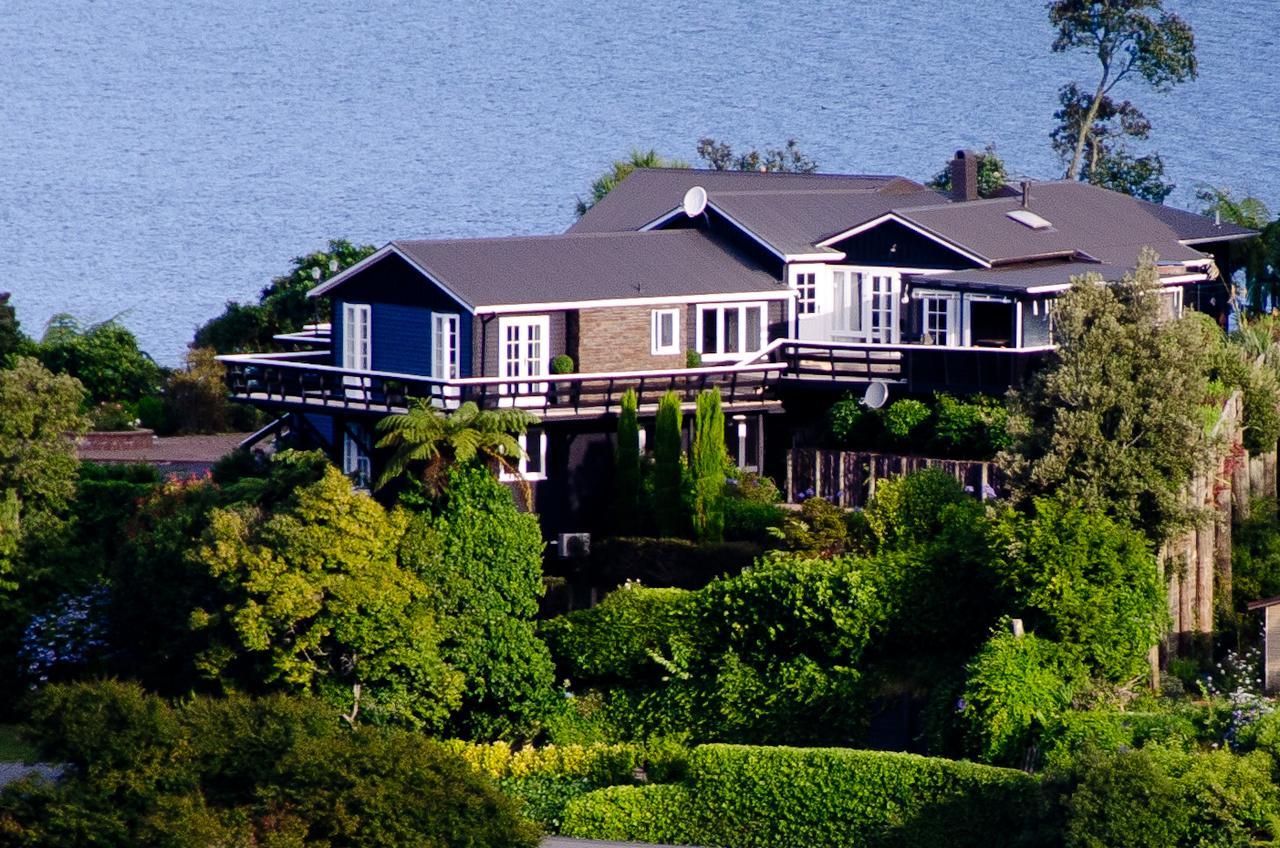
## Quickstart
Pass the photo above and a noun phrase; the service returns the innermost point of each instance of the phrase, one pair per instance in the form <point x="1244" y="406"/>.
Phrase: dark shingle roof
<point x="1196" y="228"/>
<point x="594" y="266"/>
<point x="792" y="222"/>
<point x="1086" y="220"/>
<point x="648" y="193"/>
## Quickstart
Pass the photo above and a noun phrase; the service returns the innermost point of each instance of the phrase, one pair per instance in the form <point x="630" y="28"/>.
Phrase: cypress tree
<point x="707" y="465"/>
<point x="668" y="500"/>
<point x="626" y="480"/>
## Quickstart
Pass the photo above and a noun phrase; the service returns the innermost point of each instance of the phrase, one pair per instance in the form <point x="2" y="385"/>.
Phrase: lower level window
<point x="725" y="331"/>
<point x="355" y="459"/>
<point x="532" y="464"/>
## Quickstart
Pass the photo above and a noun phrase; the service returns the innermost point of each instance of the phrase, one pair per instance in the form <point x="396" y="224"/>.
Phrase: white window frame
<point x="718" y="310"/>
<point x="446" y="360"/>
<point x="355" y="462"/>
<point x="358" y="317"/>
<point x="524" y="388"/>
<point x="805" y="283"/>
<point x="523" y="463"/>
<point x="950" y="314"/>
<point x="656" y="347"/>
<point x="1174" y="294"/>
<point x="967" y="312"/>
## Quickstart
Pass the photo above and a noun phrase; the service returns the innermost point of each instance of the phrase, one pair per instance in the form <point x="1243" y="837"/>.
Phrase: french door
<point x="357" y="347"/>
<point x="941" y="318"/>
<point x="445" y="364"/>
<point x="848" y="295"/>
<point x="522" y="353"/>
<point x="880" y="308"/>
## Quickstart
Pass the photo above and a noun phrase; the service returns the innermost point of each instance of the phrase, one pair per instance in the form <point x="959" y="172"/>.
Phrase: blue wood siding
<point x="400" y="303"/>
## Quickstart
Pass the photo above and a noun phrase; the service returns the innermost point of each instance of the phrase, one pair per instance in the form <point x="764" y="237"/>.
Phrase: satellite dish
<point x="876" y="395"/>
<point x="695" y="200"/>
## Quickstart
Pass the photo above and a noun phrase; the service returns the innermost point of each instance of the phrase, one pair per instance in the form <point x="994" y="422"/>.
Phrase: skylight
<point x="1027" y="218"/>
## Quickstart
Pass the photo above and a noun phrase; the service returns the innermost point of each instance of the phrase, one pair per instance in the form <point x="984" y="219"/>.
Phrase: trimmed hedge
<point x="757" y="797"/>
<point x="661" y="813"/>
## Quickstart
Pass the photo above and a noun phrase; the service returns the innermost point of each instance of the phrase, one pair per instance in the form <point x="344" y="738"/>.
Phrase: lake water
<point x="159" y="159"/>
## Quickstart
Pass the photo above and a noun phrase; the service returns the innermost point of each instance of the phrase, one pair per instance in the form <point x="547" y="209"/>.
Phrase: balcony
<point x="915" y="367"/>
<point x="303" y="381"/>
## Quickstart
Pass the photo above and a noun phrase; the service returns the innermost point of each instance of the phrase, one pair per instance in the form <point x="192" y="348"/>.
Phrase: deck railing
<point x="303" y="380"/>
<point x="916" y="367"/>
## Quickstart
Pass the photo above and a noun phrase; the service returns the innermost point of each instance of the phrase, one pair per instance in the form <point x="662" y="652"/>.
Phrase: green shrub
<point x="819" y="529"/>
<point x="752" y="521"/>
<point x="228" y="771"/>
<point x="658" y="814"/>
<point x="903" y="419"/>
<point x="753" y="797"/>
<point x="1076" y="731"/>
<point x="708" y="459"/>
<point x="976" y="427"/>
<point x="616" y="639"/>
<point x="1168" y="799"/>
<point x="666" y="562"/>
<point x="111" y="416"/>
<point x="851" y="424"/>
<point x="692" y="359"/>
<point x="562" y="364"/>
<point x="1261" y="411"/>
<point x="1016" y="688"/>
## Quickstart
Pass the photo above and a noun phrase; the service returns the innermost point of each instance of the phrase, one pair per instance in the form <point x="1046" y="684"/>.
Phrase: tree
<point x="1086" y="581"/>
<point x="620" y="170"/>
<point x="431" y="439"/>
<point x="626" y="480"/>
<point x="992" y="175"/>
<point x="1260" y="257"/>
<point x="196" y="397"/>
<point x="788" y="158"/>
<point x="709" y="459"/>
<point x="481" y="561"/>
<point x="668" y="468"/>
<point x="244" y="771"/>
<point x="1129" y="38"/>
<point x="317" y="603"/>
<point x="104" y="357"/>
<point x="283" y="305"/>
<point x="40" y="420"/>
<point x="11" y="337"/>
<point x="1114" y="419"/>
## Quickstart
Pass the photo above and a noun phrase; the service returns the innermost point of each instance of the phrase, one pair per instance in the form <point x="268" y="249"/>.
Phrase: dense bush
<point x="1165" y="798"/>
<point x="480" y="559"/>
<point x="903" y="420"/>
<point x="1255" y="564"/>
<point x="1261" y="410"/>
<point x="749" y="796"/>
<point x="616" y="640"/>
<point x="666" y="562"/>
<point x="1086" y="580"/>
<point x="240" y="771"/>
<point x="963" y="428"/>
<point x="661" y="813"/>
<point x="104" y="357"/>
<point x="1076" y="732"/>
<point x="1016" y="687"/>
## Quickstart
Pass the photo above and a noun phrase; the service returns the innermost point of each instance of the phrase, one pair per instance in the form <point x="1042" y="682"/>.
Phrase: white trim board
<point x="664" y="300"/>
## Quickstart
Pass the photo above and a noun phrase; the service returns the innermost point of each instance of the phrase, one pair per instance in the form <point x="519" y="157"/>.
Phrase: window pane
<point x="855" y="301"/>
<point x="710" y="342"/>
<point x="666" y="329"/>
<point x="533" y="447"/>
<point x="732" y="326"/>
<point x="755" y="319"/>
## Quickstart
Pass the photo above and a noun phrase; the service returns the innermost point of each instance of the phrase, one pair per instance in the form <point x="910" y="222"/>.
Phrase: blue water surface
<point x="158" y="159"/>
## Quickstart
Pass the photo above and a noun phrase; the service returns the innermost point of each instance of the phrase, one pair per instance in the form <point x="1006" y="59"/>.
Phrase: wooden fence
<point x="1198" y="563"/>
<point x="849" y="478"/>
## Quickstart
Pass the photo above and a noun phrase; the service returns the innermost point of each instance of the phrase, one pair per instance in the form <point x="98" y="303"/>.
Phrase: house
<point x="776" y="288"/>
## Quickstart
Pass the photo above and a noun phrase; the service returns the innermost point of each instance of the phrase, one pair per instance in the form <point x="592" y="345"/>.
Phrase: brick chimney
<point x="964" y="176"/>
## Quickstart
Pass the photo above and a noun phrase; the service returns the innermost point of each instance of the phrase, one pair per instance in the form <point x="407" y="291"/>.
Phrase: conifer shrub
<point x="626" y="478"/>
<point x="668" y="468"/>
